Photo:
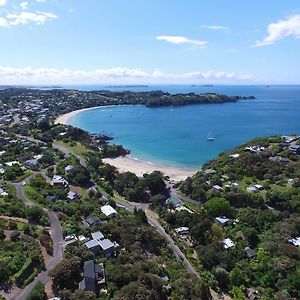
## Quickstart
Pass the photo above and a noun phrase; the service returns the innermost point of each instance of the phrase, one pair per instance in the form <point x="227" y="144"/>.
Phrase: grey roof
<point x="93" y="220"/>
<point x="97" y="235"/>
<point x="92" y="244"/>
<point x="89" y="269"/>
<point x="106" y="244"/>
<point x="250" y="252"/>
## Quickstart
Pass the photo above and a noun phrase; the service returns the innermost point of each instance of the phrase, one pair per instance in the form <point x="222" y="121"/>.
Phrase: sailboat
<point x="210" y="137"/>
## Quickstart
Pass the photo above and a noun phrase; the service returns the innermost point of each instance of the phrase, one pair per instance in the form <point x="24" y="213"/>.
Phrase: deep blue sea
<point x="178" y="136"/>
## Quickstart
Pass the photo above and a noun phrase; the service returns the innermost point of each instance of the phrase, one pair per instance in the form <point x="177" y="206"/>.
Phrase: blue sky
<point x="157" y="41"/>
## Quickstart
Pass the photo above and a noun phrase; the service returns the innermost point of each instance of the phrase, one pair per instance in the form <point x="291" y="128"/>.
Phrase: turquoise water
<point x="178" y="136"/>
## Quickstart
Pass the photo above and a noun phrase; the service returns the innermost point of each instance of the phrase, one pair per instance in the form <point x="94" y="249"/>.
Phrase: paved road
<point x="56" y="235"/>
<point x="179" y="255"/>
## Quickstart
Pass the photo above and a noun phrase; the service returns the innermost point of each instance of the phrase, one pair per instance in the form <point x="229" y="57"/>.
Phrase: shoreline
<point x="63" y="119"/>
<point x="140" y="167"/>
<point x="137" y="166"/>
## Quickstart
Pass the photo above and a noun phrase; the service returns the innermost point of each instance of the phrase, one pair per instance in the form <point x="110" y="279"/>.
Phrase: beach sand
<point x="139" y="167"/>
<point x="134" y="165"/>
<point x="63" y="119"/>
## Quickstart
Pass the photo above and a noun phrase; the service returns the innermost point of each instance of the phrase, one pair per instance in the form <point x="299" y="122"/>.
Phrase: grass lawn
<point x="76" y="147"/>
<point x="25" y="175"/>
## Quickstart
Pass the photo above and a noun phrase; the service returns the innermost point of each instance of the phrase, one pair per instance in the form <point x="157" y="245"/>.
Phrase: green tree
<point x="37" y="293"/>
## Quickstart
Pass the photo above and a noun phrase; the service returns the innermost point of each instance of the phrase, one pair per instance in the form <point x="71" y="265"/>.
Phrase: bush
<point x="37" y="293"/>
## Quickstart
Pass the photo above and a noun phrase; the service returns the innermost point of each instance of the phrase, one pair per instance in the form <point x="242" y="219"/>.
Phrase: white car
<point x="70" y="237"/>
<point x="23" y="183"/>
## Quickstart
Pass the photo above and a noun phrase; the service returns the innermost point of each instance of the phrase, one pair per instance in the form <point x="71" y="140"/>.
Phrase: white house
<point x="227" y="243"/>
<point x="182" y="230"/>
<point x="295" y="241"/>
<point x="109" y="211"/>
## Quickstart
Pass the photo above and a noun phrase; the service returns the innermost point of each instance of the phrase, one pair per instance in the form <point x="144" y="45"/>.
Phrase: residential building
<point x="93" y="277"/>
<point x="109" y="211"/>
<point x="227" y="243"/>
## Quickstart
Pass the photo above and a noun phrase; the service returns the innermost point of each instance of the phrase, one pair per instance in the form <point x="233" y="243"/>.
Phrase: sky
<point x="149" y="42"/>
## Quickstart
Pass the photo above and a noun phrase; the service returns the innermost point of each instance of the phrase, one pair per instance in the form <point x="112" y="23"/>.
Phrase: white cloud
<point x="24" y="5"/>
<point x="23" y="18"/>
<point x="30" y="75"/>
<point x="178" y="40"/>
<point x="281" y="29"/>
<point x="2" y="2"/>
<point x="215" y="27"/>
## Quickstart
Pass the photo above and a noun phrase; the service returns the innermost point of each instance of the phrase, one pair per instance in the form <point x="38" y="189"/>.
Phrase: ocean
<point x="177" y="136"/>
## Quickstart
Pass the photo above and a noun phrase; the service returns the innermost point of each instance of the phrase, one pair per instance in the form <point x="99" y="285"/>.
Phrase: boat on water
<point x="210" y="137"/>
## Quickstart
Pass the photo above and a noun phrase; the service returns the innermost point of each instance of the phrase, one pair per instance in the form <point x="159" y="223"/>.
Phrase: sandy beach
<point x="63" y="119"/>
<point x="135" y="165"/>
<point x="139" y="167"/>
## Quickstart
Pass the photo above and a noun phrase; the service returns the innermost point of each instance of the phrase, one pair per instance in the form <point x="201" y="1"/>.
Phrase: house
<point x="222" y="220"/>
<point x="93" y="246"/>
<point x="69" y="169"/>
<point x="236" y="155"/>
<point x="227" y="243"/>
<point x="109" y="211"/>
<point x="93" y="220"/>
<point x="73" y="196"/>
<point x="250" y="253"/>
<point x="251" y="189"/>
<point x="182" y="230"/>
<point x="209" y="172"/>
<point x="289" y="139"/>
<point x="97" y="236"/>
<point x="175" y="202"/>
<point x="32" y="163"/>
<point x="295" y="241"/>
<point x="258" y="187"/>
<point x="12" y="163"/>
<point x="252" y="293"/>
<point x="93" y="277"/>
<point x="107" y="247"/>
<point x="217" y="188"/>
<point x="58" y="180"/>
<point x="3" y="193"/>
<point x="284" y="160"/>
<point x="295" y="149"/>
<point x="255" y="149"/>
<point x="51" y="198"/>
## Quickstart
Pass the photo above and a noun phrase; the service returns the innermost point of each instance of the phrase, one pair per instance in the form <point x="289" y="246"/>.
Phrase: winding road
<point x="56" y="235"/>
